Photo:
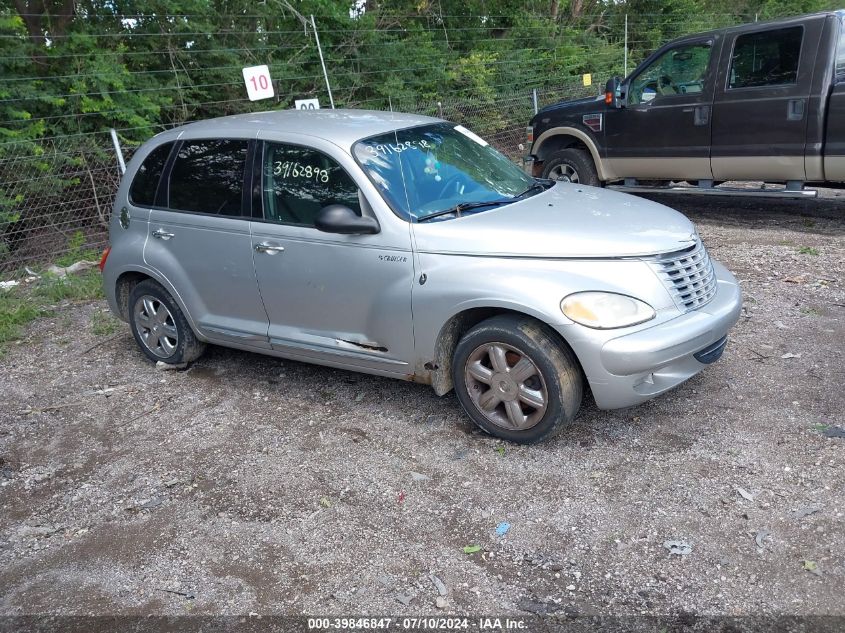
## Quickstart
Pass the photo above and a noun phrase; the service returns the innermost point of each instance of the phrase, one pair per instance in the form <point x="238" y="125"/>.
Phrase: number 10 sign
<point x="258" y="84"/>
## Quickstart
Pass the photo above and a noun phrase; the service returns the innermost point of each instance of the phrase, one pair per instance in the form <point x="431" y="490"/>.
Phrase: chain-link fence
<point x="62" y="195"/>
<point x="66" y="79"/>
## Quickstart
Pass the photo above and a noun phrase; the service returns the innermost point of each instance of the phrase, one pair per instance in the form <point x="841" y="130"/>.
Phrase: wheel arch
<point x="459" y="324"/>
<point x="558" y="138"/>
<point x="126" y="280"/>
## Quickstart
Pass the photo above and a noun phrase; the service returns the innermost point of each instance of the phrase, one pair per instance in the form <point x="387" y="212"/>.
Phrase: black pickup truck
<point x="757" y="102"/>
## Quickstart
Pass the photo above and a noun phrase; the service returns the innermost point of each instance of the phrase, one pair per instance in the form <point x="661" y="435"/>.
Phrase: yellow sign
<point x="588" y="79"/>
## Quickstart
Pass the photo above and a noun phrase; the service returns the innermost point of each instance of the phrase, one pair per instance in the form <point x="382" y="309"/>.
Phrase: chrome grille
<point x="688" y="275"/>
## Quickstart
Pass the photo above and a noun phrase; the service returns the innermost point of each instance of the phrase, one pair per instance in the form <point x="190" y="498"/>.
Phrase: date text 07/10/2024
<point x="416" y="623"/>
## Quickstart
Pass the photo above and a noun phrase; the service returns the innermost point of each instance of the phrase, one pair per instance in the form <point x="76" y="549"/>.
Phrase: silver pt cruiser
<point x="406" y="246"/>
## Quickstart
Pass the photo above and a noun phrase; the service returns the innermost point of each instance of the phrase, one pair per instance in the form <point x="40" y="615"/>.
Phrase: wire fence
<point x="64" y="195"/>
<point x="143" y="74"/>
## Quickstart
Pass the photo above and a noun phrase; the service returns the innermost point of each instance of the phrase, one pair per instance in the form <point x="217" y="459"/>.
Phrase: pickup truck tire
<point x="516" y="379"/>
<point x="571" y="165"/>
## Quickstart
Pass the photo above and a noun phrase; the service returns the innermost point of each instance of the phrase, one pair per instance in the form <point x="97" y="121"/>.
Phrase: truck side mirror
<point x="613" y="93"/>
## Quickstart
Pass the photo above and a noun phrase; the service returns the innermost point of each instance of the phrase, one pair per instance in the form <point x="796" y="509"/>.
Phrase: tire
<point x="572" y="165"/>
<point x="159" y="327"/>
<point x="554" y="375"/>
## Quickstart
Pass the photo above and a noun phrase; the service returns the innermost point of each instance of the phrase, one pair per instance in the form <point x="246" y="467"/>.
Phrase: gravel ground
<point x="247" y="484"/>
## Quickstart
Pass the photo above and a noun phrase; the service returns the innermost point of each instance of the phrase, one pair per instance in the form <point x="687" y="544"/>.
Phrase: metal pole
<point x="120" y="162"/>
<point x="322" y="61"/>
<point x="626" y="45"/>
<point x="534" y="99"/>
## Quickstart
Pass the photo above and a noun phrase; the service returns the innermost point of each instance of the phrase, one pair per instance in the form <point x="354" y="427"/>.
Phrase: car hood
<point x="566" y="221"/>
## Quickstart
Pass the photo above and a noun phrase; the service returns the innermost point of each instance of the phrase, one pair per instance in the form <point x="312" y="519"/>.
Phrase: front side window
<point x="432" y="168"/>
<point x="769" y="58"/>
<point x="299" y="182"/>
<point x="208" y="177"/>
<point x="678" y="71"/>
<point x="143" y="189"/>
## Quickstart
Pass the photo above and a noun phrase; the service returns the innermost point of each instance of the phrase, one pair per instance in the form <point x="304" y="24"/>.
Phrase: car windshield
<point x="425" y="170"/>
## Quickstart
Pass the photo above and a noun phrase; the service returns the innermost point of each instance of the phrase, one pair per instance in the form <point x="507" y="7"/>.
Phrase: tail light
<point x="529" y="134"/>
<point x="103" y="259"/>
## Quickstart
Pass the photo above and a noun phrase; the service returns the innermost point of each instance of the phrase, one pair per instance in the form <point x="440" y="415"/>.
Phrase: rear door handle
<point x="795" y="110"/>
<point x="270" y="249"/>
<point x="162" y="234"/>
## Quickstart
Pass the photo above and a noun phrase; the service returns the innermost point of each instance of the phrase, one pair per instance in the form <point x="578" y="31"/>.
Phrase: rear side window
<point x="208" y="177"/>
<point x="143" y="190"/>
<point x="840" y="52"/>
<point x="769" y="58"/>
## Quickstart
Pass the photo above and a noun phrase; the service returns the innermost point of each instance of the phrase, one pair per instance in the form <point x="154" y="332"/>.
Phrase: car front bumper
<point x="630" y="369"/>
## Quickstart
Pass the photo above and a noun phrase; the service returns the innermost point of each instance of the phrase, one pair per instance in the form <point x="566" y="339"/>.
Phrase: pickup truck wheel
<point x="159" y="327"/>
<point x="516" y="380"/>
<point x="571" y="165"/>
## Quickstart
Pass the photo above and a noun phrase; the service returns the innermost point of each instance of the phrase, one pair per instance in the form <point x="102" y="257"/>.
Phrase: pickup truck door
<point x="663" y="130"/>
<point x="762" y="101"/>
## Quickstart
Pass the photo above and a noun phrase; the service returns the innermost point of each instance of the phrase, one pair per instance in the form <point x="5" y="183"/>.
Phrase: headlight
<point x="605" y="310"/>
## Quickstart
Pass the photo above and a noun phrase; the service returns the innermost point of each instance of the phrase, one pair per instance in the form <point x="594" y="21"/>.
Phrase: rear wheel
<point x="159" y="327"/>
<point x="516" y="379"/>
<point x="571" y="165"/>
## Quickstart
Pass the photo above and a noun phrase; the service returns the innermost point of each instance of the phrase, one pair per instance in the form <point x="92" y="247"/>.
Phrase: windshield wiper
<point x="537" y="185"/>
<point x="463" y="206"/>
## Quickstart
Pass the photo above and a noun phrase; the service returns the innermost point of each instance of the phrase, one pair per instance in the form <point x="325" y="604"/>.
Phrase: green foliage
<point x="75" y="251"/>
<point x="16" y="310"/>
<point x="82" y="287"/>
<point x="71" y="70"/>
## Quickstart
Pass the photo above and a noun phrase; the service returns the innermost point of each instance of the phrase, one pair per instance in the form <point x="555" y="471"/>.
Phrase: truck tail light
<point x="529" y="134"/>
<point x="103" y="259"/>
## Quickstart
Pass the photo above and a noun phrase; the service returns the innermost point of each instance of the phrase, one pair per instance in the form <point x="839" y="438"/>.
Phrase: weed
<point x="811" y="312"/>
<point x="75" y="252"/>
<point x="20" y="305"/>
<point x="807" y="250"/>
<point x="16" y="310"/>
<point x="103" y="323"/>
<point x="82" y="287"/>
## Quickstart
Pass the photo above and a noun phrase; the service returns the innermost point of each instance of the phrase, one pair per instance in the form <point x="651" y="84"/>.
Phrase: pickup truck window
<point x="680" y="70"/>
<point x="840" y="53"/>
<point x="767" y="58"/>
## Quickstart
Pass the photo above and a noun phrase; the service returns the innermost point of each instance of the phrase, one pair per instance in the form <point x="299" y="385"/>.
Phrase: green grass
<point x="807" y="250"/>
<point x="15" y="312"/>
<point x="104" y="324"/>
<point x="76" y="253"/>
<point x="82" y="287"/>
<point x="25" y="303"/>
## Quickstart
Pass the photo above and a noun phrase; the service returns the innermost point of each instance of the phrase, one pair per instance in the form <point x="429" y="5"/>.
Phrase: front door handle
<point x="264" y="247"/>
<point x="795" y="110"/>
<point x="162" y="234"/>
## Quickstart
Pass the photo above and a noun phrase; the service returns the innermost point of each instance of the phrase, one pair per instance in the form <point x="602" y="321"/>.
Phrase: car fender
<point x="604" y="172"/>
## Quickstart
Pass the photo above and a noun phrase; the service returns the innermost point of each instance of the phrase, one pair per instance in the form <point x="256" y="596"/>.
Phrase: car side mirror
<point x="337" y="218"/>
<point x="613" y="93"/>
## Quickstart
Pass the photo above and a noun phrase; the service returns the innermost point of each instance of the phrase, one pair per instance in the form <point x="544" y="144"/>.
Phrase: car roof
<point x="342" y="127"/>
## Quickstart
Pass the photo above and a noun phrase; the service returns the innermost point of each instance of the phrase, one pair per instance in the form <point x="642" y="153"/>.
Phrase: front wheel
<point x="516" y="379"/>
<point x="571" y="165"/>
